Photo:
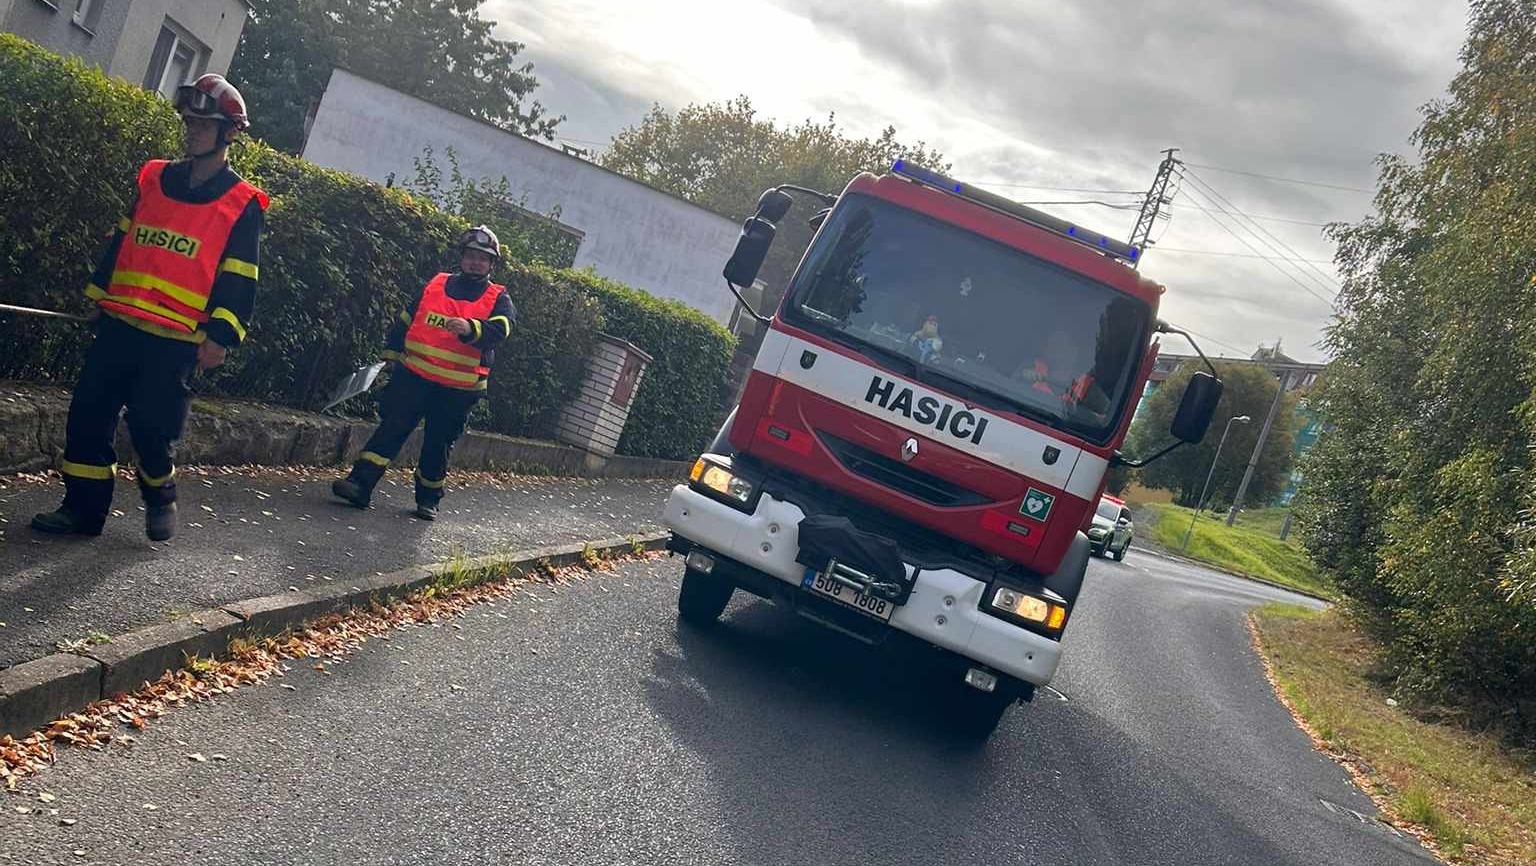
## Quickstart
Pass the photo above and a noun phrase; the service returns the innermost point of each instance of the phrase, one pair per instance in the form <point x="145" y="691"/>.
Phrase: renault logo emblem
<point x="908" y="450"/>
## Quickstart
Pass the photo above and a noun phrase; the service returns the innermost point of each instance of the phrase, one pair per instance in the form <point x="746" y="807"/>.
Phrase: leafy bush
<point x="71" y="142"/>
<point x="341" y="257"/>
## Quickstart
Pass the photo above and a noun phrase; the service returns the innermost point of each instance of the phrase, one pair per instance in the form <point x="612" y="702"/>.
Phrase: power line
<point x="1272" y="263"/>
<point x="1232" y="255"/>
<point x="1216" y="341"/>
<point x="1329" y="284"/>
<point x="1135" y="192"/>
<point x="1272" y="219"/>
<point x="1281" y="179"/>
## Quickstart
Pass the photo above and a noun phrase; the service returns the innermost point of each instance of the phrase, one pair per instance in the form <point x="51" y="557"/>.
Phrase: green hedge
<point x="340" y="257"/>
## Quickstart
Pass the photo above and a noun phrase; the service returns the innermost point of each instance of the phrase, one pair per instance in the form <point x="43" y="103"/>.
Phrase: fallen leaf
<point x="46" y="797"/>
<point x="219" y="757"/>
<point x="198" y="757"/>
<point x="289" y="687"/>
<point x="457" y="688"/>
<point x="151" y="807"/>
<point x="24" y="810"/>
<point x="68" y="822"/>
<point x="239" y="558"/>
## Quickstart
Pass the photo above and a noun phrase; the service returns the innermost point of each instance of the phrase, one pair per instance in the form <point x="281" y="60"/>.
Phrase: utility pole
<point x="1258" y="447"/>
<point x="1157" y="198"/>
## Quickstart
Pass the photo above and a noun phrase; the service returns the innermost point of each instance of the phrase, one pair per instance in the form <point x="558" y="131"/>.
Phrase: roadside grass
<point x="1468" y="793"/>
<point x="1240" y="549"/>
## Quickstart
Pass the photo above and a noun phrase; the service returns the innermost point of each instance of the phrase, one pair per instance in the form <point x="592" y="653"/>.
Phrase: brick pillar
<point x="595" y="420"/>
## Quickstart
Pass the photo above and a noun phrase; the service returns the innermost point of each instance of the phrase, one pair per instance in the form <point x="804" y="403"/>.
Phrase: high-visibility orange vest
<point x="171" y="253"/>
<point x="1075" y="392"/>
<point x="437" y="354"/>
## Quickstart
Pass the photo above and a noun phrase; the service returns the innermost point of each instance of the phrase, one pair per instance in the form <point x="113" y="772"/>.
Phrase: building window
<point x="178" y="59"/>
<point x="87" y="13"/>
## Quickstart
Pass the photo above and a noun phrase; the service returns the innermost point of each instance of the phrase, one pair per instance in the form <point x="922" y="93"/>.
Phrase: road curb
<point x="35" y="693"/>
<point x="1174" y="557"/>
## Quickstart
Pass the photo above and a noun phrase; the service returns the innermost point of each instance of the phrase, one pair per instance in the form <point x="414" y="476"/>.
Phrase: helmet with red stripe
<point x="213" y="97"/>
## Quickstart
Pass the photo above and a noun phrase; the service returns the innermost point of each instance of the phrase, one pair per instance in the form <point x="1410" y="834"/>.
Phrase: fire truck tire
<point x="721" y="444"/>
<point x="977" y="714"/>
<point x="1067" y="581"/>
<point x="703" y="597"/>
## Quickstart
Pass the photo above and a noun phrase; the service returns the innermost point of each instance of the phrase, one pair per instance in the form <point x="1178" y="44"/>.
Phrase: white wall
<point x="639" y="236"/>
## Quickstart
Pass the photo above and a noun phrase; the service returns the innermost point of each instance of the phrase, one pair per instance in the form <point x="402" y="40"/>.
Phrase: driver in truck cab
<point x="1058" y="371"/>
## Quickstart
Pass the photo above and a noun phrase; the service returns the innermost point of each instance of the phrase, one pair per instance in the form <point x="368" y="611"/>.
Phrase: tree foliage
<point x="1421" y="497"/>
<point x="723" y="155"/>
<point x="1249" y="390"/>
<point x="439" y="50"/>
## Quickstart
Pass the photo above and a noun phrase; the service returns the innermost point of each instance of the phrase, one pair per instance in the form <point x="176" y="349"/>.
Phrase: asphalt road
<point x="248" y="533"/>
<point x="588" y="728"/>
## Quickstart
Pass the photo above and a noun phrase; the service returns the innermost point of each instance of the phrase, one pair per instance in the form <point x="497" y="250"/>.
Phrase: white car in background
<point x="1112" y="528"/>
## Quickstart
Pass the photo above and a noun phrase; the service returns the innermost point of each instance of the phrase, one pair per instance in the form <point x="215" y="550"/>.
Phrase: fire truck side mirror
<point x="1196" y="408"/>
<point x="751" y="250"/>
<point x="773" y="204"/>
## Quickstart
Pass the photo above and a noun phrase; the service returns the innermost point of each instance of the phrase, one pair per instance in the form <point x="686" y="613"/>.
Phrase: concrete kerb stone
<point x="141" y="656"/>
<point x="35" y="693"/>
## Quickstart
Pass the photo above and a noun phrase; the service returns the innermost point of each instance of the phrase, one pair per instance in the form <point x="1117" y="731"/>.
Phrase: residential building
<point x="159" y="44"/>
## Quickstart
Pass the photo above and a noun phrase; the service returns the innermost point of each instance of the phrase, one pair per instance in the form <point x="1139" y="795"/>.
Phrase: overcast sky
<point x="1021" y="94"/>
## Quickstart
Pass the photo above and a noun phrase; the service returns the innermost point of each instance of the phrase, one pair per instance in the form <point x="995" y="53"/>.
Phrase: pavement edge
<point x="37" y="692"/>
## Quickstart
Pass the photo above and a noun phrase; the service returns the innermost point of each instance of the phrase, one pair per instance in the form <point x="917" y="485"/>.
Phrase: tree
<point x="1420" y="497"/>
<point x="722" y="156"/>
<point x="438" y="50"/>
<point x="1250" y="389"/>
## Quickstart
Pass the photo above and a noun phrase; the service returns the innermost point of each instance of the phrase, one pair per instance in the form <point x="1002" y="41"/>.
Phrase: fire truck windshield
<point x="966" y="314"/>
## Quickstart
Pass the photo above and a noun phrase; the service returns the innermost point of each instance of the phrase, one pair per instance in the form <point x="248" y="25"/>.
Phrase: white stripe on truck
<point x="994" y="438"/>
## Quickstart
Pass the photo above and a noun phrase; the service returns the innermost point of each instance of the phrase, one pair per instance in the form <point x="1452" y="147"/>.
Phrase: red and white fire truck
<point x="927" y="427"/>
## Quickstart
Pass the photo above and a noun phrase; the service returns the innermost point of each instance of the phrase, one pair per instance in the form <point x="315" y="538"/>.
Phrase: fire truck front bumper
<point x="945" y="607"/>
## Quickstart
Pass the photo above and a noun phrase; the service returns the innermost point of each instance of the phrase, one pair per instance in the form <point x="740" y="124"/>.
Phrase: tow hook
<point x="860" y="582"/>
<point x="981" y="679"/>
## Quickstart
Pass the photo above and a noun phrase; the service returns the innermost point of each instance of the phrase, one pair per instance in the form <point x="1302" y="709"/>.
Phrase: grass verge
<point x="1467" y="794"/>
<point x="1238" y="549"/>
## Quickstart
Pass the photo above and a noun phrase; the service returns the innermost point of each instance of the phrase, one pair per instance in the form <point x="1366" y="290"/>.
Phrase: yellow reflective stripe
<point x="390" y="355"/>
<point x="426" y="368"/>
<point x="150" y="481"/>
<point x="153" y="308"/>
<point x="435" y="485"/>
<point x="157" y="330"/>
<point x="226" y="316"/>
<point x="171" y="290"/>
<point x="236" y="266"/>
<point x="475" y="323"/>
<point x="405" y="317"/>
<point x="506" y="324"/>
<point x="94" y="292"/>
<point x="86" y="470"/>
<point x="375" y="459"/>
<point x="124" y="224"/>
<point x="416" y="348"/>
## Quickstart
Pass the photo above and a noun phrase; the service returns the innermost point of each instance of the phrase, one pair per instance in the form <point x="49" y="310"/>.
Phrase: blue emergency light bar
<point x="1071" y="231"/>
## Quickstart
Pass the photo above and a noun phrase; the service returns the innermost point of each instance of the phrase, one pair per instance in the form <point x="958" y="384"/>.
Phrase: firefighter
<point x="440" y="354"/>
<point x="174" y="292"/>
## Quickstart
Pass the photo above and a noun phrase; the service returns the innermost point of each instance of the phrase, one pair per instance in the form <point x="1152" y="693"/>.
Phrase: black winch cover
<point x="824" y="537"/>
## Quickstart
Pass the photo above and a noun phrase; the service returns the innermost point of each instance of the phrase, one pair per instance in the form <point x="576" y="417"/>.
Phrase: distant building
<point x="160" y="44"/>
<point x="626" y="230"/>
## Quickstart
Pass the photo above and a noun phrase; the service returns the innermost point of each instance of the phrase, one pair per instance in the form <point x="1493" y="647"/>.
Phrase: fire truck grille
<point x="899" y="476"/>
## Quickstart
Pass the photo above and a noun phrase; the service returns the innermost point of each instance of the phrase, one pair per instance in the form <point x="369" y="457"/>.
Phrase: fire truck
<point x="926" y="428"/>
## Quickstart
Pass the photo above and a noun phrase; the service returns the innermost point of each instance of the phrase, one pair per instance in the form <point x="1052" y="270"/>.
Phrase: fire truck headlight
<point x="713" y="475"/>
<point x="1029" y="608"/>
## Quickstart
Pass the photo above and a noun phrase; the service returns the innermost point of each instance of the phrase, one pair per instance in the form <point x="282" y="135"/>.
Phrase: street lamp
<point x="1200" y="503"/>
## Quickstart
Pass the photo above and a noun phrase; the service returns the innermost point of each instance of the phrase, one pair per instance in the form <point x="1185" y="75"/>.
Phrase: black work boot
<point x="426" y="510"/>
<point x="352" y="492"/>
<point x="64" y="522"/>
<point x="160" y="521"/>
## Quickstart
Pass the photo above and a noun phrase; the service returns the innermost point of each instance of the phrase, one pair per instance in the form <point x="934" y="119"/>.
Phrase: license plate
<point x="870" y="605"/>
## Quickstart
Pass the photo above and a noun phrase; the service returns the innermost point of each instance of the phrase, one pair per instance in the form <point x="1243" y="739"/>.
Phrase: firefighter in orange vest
<point x="441" y="353"/>
<point x="174" y="292"/>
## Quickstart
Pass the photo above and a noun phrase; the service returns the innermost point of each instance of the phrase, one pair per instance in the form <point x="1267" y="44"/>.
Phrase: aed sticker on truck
<point x="1037" y="505"/>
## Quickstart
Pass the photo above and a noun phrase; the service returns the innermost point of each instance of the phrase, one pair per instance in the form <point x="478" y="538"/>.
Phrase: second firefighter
<point x="440" y="351"/>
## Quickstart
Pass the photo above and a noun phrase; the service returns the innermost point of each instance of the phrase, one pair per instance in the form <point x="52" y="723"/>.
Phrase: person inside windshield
<point x="1058" y="371"/>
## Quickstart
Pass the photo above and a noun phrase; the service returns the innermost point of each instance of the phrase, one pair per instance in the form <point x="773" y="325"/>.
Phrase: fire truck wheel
<point x="703" y="597"/>
<point x="977" y="714"/>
